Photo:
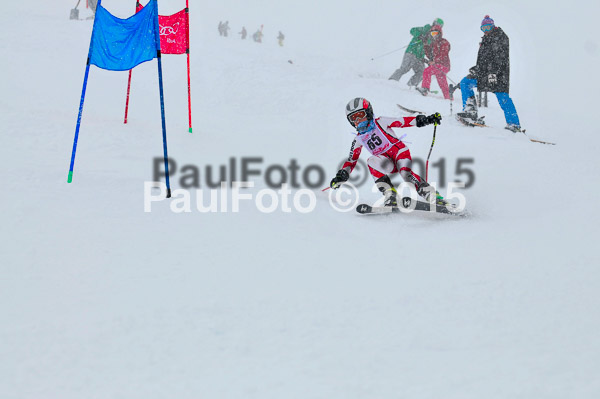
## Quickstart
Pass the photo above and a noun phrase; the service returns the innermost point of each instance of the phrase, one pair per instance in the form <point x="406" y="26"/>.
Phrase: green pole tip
<point x="190" y="130"/>
<point x="70" y="178"/>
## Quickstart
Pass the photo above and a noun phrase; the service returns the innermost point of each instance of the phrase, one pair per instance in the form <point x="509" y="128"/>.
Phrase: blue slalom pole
<point x="85" y="80"/>
<point x="162" y="107"/>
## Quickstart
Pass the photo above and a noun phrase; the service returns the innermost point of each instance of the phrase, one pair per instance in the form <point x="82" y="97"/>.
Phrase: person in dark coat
<point x="244" y="32"/>
<point x="492" y="73"/>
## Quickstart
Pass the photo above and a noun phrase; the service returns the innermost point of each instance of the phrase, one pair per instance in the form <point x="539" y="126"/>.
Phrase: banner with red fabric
<point x="174" y="39"/>
<point x="174" y="33"/>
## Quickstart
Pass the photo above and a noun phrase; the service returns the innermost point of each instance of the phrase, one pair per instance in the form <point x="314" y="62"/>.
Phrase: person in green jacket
<point x="414" y="56"/>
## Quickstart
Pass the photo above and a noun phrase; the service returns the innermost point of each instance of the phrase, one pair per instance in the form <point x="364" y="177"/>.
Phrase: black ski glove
<point x="423" y="120"/>
<point x="340" y="177"/>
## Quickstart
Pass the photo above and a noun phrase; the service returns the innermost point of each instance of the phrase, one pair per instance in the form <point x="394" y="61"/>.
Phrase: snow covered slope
<point x="100" y="299"/>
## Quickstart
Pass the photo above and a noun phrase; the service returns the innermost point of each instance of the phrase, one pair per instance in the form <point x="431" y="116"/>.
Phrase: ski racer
<point x="492" y="73"/>
<point x="388" y="154"/>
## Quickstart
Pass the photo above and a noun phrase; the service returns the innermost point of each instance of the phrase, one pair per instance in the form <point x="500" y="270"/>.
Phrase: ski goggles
<point x="487" y="28"/>
<point x="357" y="115"/>
<point x="434" y="33"/>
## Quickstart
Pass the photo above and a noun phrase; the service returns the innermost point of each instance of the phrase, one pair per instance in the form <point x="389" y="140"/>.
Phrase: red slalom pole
<point x="129" y="80"/>
<point x="127" y="101"/>
<point x="187" y="12"/>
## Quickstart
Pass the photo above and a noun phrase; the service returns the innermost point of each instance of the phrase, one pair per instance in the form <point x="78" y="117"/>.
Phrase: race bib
<point x="375" y="141"/>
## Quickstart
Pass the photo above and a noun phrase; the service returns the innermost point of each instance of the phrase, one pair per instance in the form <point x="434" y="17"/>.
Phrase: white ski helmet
<point x="359" y="104"/>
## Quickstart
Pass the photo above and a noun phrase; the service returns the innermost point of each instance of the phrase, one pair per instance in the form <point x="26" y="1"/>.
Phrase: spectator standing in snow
<point x="439" y="65"/>
<point x="280" y="38"/>
<point x="414" y="56"/>
<point x="427" y="41"/>
<point x="257" y="36"/>
<point x="244" y="33"/>
<point x="220" y="28"/>
<point x="491" y="73"/>
<point x="226" y="28"/>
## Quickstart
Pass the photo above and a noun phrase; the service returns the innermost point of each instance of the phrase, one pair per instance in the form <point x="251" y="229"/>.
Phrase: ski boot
<point x="392" y="199"/>
<point x="425" y="191"/>
<point x="469" y="115"/>
<point x="513" y="128"/>
<point x="424" y="91"/>
<point x="384" y="184"/>
<point x="470" y="110"/>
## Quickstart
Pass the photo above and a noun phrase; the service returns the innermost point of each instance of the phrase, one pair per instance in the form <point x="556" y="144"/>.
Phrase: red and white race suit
<point x="389" y="154"/>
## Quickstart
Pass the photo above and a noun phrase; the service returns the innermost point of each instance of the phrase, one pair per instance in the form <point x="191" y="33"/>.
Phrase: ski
<point x="539" y="141"/>
<point x="410" y="111"/>
<point x="365" y="209"/>
<point x="469" y="122"/>
<point x="533" y="140"/>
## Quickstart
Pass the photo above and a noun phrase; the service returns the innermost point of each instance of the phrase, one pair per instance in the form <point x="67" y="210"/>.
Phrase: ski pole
<point x="326" y="188"/>
<point x="393" y="51"/>
<point x="430" y="149"/>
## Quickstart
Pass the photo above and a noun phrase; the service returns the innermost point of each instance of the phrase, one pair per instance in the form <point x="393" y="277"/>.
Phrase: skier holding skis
<point x="414" y="56"/>
<point x="257" y="36"/>
<point x="389" y="154"/>
<point x="439" y="64"/>
<point x="492" y="73"/>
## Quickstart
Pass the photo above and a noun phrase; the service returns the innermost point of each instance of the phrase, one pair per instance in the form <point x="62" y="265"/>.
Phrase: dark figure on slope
<point x="492" y="73"/>
<point x="226" y="28"/>
<point x="257" y="36"/>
